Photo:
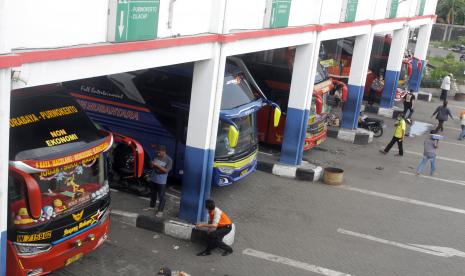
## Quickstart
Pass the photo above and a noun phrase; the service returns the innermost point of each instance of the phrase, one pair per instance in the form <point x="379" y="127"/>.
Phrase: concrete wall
<point x="58" y="23"/>
<point x="186" y="17"/>
<point x="310" y="16"/>
<point x="381" y="9"/>
<point x="244" y="14"/>
<point x="331" y="11"/>
<point x="365" y="10"/>
<point x="53" y="23"/>
<point x="430" y="6"/>
<point x="413" y="7"/>
<point x="404" y="8"/>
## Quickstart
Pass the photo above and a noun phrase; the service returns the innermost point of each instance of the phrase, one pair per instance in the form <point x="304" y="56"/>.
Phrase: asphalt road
<point x="383" y="221"/>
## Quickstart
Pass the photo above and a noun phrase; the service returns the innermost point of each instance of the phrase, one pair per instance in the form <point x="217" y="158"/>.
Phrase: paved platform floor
<point x="383" y="220"/>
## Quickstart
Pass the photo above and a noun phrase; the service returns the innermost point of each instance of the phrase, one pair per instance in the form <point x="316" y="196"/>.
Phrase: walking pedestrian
<point x="442" y="113"/>
<point x="445" y="87"/>
<point x="399" y="135"/>
<point x="429" y="153"/>
<point x="376" y="85"/>
<point x="161" y="166"/>
<point x="462" y="123"/>
<point x="218" y="226"/>
<point x="409" y="101"/>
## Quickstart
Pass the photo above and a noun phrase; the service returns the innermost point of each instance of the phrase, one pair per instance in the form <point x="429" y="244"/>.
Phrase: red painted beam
<point x="8" y="61"/>
<point x="19" y="58"/>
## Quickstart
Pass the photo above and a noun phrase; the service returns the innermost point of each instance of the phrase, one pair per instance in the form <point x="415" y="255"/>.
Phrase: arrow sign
<point x="121" y="26"/>
<point x="439" y="251"/>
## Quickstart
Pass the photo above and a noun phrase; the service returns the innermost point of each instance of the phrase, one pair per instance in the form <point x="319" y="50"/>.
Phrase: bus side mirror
<point x="233" y="136"/>
<point x="277" y="116"/>
<point x="33" y="193"/>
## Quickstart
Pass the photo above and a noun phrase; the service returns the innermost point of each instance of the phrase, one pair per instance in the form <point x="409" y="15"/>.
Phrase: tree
<point x="449" y="9"/>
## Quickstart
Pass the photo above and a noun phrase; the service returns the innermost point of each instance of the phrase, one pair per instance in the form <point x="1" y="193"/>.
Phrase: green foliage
<point x="443" y="66"/>
<point x="452" y="11"/>
<point x="448" y="44"/>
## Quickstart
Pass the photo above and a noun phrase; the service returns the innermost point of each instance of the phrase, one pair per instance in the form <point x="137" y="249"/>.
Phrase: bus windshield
<point x="64" y="190"/>
<point x="247" y="137"/>
<point x="236" y="92"/>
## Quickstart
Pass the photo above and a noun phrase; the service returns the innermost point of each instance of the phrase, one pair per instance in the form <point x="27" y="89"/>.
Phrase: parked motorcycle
<point x="374" y="125"/>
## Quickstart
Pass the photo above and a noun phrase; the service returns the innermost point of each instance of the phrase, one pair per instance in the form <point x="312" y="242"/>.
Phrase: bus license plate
<point x="318" y="142"/>
<point x="73" y="259"/>
<point x="244" y="172"/>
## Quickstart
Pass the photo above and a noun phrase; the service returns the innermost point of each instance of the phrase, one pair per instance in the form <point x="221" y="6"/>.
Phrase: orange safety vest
<point x="224" y="219"/>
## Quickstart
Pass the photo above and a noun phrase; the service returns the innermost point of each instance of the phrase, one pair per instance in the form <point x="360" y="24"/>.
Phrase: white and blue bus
<point x="151" y="107"/>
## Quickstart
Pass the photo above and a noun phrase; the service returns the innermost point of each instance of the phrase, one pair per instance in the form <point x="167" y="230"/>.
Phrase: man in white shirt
<point x="445" y="87"/>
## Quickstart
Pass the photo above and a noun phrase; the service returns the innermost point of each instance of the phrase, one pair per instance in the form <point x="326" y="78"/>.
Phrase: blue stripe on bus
<point x="2" y="253"/>
<point x="75" y="234"/>
<point x="352" y="107"/>
<point x="389" y="92"/>
<point x="242" y="110"/>
<point x="196" y="183"/>
<point x="294" y="136"/>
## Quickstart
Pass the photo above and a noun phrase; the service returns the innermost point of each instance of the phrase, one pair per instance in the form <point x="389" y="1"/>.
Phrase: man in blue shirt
<point x="161" y="166"/>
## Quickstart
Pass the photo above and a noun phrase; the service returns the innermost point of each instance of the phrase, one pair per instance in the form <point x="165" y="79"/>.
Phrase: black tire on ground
<point x="377" y="131"/>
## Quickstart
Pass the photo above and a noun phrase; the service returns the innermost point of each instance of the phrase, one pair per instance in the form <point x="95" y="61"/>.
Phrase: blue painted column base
<point x="196" y="183"/>
<point x="352" y="107"/>
<point x="415" y="79"/>
<point x="3" y="252"/>
<point x="294" y="136"/>
<point x="390" y="87"/>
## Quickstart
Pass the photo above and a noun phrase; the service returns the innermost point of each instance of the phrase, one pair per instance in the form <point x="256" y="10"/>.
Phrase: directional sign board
<point x="421" y="7"/>
<point x="349" y="10"/>
<point x="280" y="10"/>
<point x="393" y="8"/>
<point x="131" y="20"/>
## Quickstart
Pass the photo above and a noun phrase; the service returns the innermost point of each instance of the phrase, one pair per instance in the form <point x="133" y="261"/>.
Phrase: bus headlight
<point x="26" y="249"/>
<point x="226" y="170"/>
<point x="101" y="192"/>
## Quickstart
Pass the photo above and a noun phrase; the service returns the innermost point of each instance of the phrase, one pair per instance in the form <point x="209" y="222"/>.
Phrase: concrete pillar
<point x="300" y="97"/>
<point x="357" y="78"/>
<point x="5" y="91"/>
<point x="394" y="65"/>
<point x="419" y="61"/>
<point x="207" y="87"/>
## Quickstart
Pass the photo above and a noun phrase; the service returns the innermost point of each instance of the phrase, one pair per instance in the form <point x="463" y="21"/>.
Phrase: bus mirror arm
<point x="33" y="193"/>
<point x="277" y="112"/>
<point x="240" y="63"/>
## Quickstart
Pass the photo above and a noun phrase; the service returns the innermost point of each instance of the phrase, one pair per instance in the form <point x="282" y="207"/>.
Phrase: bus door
<point x="127" y="162"/>
<point x="182" y="116"/>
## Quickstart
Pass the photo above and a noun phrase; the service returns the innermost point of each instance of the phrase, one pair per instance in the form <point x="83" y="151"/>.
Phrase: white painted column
<point x="394" y="65"/>
<point x="207" y="87"/>
<point x="204" y="114"/>
<point x="303" y="78"/>
<point x="357" y="78"/>
<point x="419" y="61"/>
<point x="5" y="91"/>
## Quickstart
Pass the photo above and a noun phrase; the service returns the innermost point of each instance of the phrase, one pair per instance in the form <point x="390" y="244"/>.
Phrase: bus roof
<point x="47" y="124"/>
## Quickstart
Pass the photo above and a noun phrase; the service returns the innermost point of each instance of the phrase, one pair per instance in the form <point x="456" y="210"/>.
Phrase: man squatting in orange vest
<point x="219" y="225"/>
